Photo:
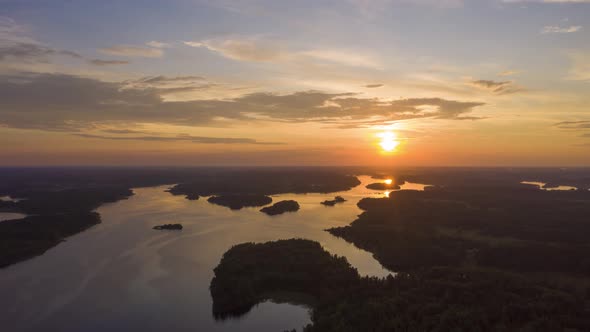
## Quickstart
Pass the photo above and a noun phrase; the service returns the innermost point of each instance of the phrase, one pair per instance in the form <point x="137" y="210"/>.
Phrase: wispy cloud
<point x="548" y="1"/>
<point x="185" y="138"/>
<point x="16" y="44"/>
<point x="133" y="51"/>
<point x="497" y="87"/>
<point x="165" y="85"/>
<point x="574" y="125"/>
<point x="580" y="65"/>
<point x="157" y="44"/>
<point x="249" y="49"/>
<point x="508" y="73"/>
<point x="342" y="57"/>
<point x="558" y="29"/>
<point x="99" y="62"/>
<point x="260" y="50"/>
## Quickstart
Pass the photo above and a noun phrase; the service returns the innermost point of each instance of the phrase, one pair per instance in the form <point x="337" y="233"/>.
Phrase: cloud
<point x="167" y="84"/>
<point x="342" y="57"/>
<point x="133" y="51"/>
<point x="372" y="86"/>
<point x="166" y="79"/>
<point x="124" y="131"/>
<point x="10" y="31"/>
<point x="508" y="73"/>
<point x="31" y="52"/>
<point x="497" y="87"/>
<point x="186" y="138"/>
<point x="241" y="49"/>
<point x="558" y="29"/>
<point x="573" y="125"/>
<point x="71" y="103"/>
<point x="98" y="62"/>
<point x="157" y="44"/>
<point x="580" y="65"/>
<point x="372" y="8"/>
<point x="548" y="1"/>
<point x="15" y="44"/>
<point x="258" y="50"/>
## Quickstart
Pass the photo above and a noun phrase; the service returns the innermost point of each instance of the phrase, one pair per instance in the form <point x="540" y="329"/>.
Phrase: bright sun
<point x="388" y="181"/>
<point x="388" y="141"/>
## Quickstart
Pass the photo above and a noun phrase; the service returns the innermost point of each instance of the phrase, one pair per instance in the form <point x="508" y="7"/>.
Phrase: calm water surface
<point x="121" y="275"/>
<point x="11" y="215"/>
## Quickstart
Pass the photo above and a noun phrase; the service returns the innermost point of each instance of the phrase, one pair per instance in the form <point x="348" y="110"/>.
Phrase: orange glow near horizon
<point x="389" y="141"/>
<point x="388" y="181"/>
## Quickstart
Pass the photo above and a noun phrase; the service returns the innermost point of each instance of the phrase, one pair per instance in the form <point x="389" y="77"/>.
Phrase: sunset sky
<point x="237" y="82"/>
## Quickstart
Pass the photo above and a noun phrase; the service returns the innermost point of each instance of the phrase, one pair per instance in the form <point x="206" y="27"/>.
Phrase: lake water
<point x="9" y="199"/>
<point x="122" y="276"/>
<point x="11" y="215"/>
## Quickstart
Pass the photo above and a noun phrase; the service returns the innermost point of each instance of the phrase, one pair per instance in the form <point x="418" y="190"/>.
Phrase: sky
<point x="273" y="82"/>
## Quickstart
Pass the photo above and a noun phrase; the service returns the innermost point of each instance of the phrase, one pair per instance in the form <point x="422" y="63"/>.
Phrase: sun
<point x="388" y="181"/>
<point x="388" y="141"/>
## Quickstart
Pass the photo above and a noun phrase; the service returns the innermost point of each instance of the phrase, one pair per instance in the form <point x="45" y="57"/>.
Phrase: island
<point x="295" y="271"/>
<point x="383" y="186"/>
<point x="336" y="200"/>
<point x="465" y="298"/>
<point x="236" y="202"/>
<point x="281" y="207"/>
<point x="192" y="197"/>
<point x="175" y="227"/>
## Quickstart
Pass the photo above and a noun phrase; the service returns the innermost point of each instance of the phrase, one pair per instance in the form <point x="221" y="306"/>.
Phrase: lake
<point x="121" y="275"/>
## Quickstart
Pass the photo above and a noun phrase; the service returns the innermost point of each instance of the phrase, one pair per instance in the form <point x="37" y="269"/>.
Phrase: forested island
<point x="383" y="186"/>
<point x="236" y="202"/>
<point x="466" y="298"/>
<point x="296" y="271"/>
<point x="172" y="227"/>
<point x="332" y="202"/>
<point x="281" y="207"/>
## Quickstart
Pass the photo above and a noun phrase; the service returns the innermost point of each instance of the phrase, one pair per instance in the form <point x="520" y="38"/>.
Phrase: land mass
<point x="251" y="273"/>
<point x="281" y="207"/>
<point x="383" y="186"/>
<point x="267" y="182"/>
<point x="53" y="191"/>
<point x="236" y="202"/>
<point x="336" y="200"/>
<point x="177" y="227"/>
<point x="431" y="299"/>
<point x="53" y="216"/>
<point x="524" y="230"/>
<point x="31" y="236"/>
